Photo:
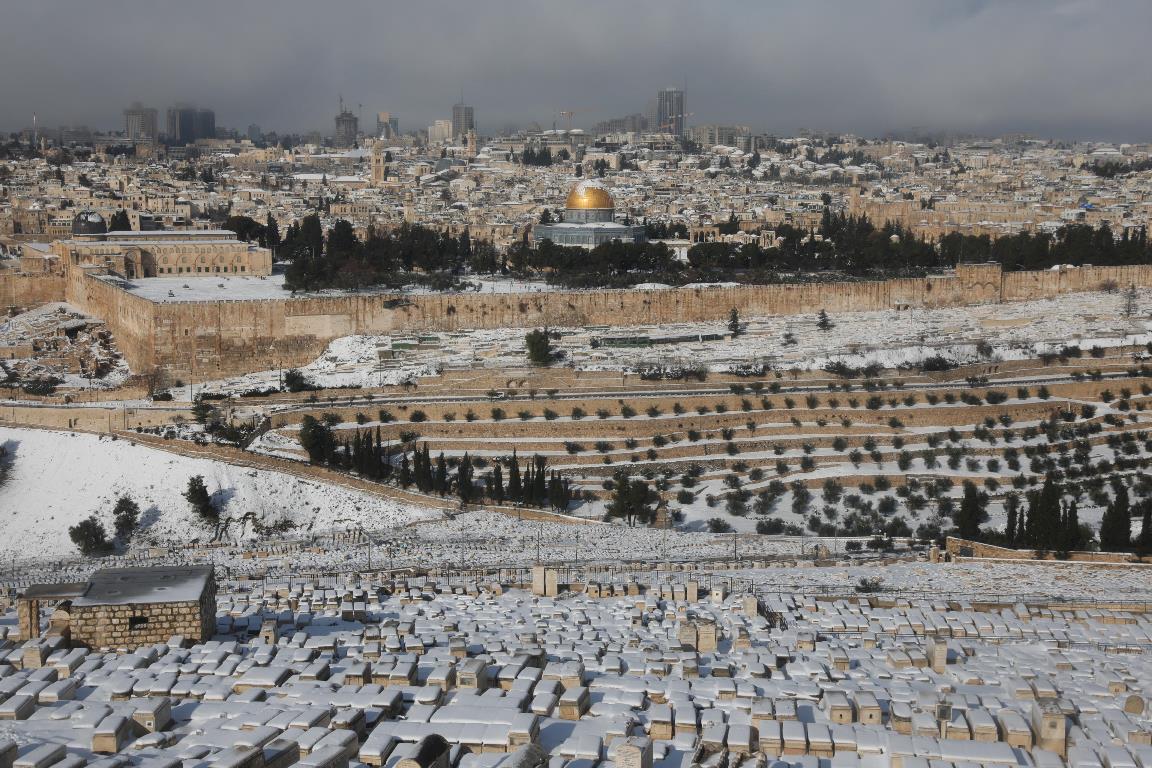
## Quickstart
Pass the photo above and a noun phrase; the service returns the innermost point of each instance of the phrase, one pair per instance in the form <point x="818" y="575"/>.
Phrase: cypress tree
<point x="1072" y="526"/>
<point x="497" y="492"/>
<point x="540" y="490"/>
<point x="968" y="518"/>
<point x="405" y="472"/>
<point x="529" y="492"/>
<point x="515" y="490"/>
<point x="440" y="483"/>
<point x="1144" y="541"/>
<point x="1116" y="525"/>
<point x="1011" y="506"/>
<point x="464" y="479"/>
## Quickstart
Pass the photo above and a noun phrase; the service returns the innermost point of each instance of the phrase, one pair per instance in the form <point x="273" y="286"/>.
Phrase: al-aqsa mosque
<point x="589" y="220"/>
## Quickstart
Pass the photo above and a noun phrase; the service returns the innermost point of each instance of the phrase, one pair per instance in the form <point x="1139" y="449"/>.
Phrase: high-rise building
<point x="670" y="111"/>
<point x="255" y="134"/>
<point x="440" y="132"/>
<point x="462" y="120"/>
<point x="187" y="124"/>
<point x="387" y="125"/>
<point x="140" y="123"/>
<point x="204" y="124"/>
<point x="347" y="127"/>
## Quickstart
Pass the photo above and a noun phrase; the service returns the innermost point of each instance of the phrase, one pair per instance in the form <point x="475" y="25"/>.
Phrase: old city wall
<point x="208" y="340"/>
<point x="21" y="290"/>
<point x="130" y="317"/>
<point x="1046" y="284"/>
<point x="87" y="418"/>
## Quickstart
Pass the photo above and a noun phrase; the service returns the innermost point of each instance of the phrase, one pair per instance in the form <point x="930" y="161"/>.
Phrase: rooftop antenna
<point x="33" y="129"/>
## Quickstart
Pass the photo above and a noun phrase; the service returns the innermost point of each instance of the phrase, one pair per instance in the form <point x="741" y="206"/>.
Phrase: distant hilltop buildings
<point x="183" y="125"/>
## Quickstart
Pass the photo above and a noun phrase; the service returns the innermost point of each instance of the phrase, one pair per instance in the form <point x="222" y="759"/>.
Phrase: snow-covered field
<point x="891" y="338"/>
<point x="57" y="479"/>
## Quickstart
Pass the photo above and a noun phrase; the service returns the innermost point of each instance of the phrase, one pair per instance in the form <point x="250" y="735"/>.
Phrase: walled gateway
<point x="215" y="339"/>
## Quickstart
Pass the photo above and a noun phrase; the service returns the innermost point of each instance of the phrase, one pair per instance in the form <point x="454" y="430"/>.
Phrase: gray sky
<point x="1065" y="68"/>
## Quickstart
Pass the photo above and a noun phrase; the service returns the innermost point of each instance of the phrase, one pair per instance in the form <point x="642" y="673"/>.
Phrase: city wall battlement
<point x="209" y="340"/>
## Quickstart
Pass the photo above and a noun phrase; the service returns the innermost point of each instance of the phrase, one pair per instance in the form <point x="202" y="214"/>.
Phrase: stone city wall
<point x="103" y="419"/>
<point x="208" y="340"/>
<point x="22" y="290"/>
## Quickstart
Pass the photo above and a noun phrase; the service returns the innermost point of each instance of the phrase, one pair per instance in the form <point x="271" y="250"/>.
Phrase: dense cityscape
<point x="649" y="434"/>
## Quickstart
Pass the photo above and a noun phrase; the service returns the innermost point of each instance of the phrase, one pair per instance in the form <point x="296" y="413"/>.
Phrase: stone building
<point x="160" y="253"/>
<point x="127" y="607"/>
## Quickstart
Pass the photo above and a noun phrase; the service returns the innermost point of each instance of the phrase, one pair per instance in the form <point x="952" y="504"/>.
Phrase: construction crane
<point x="571" y="112"/>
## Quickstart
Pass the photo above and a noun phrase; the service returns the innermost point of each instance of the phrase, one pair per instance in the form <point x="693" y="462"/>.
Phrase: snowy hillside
<point x="57" y="479"/>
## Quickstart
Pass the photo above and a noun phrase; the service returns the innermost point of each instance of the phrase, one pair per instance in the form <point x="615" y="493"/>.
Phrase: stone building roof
<point x="121" y="586"/>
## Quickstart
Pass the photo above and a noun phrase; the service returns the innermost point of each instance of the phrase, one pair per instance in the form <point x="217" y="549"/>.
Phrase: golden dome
<point x="589" y="197"/>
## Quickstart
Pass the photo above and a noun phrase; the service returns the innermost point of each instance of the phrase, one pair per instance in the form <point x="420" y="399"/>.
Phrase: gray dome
<point x="88" y="222"/>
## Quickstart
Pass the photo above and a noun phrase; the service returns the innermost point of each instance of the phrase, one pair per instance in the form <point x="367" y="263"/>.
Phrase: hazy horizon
<point x="1066" y="69"/>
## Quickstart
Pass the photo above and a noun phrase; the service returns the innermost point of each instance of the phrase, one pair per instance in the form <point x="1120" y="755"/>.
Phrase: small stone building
<point x="129" y="607"/>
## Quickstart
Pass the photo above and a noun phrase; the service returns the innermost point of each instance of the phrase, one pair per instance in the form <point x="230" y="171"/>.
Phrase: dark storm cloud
<point x="1074" y="68"/>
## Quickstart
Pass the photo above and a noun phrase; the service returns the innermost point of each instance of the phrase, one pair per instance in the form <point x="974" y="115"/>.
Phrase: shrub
<point x="550" y="415"/>
<point x="685" y="496"/>
<point x="296" y="381"/>
<point x="773" y="526"/>
<point x="719" y="525"/>
<point x="498" y="414"/>
<point x="627" y="411"/>
<point x="418" y="416"/>
<point x="578" y="413"/>
<point x="653" y="411"/>
<point x="90" y="537"/>
<point x="573" y="447"/>
<point x="603" y="446"/>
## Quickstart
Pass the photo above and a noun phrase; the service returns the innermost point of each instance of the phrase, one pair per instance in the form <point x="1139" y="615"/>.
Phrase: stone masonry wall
<point x="108" y="626"/>
<point x="208" y="340"/>
<point x="24" y="291"/>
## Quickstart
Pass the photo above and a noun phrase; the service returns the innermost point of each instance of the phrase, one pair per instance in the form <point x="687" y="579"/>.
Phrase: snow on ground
<point x="892" y="338"/>
<point x="1062" y="580"/>
<point x="56" y="479"/>
<point x="253" y="287"/>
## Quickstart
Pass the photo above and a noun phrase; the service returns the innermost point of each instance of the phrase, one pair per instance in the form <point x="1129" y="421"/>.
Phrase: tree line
<point x="1047" y="519"/>
<point x="367" y="455"/>
<point x="341" y="260"/>
<point x="842" y="244"/>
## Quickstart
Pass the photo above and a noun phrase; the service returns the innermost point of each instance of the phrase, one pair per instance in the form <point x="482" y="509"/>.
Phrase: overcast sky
<point x="1063" y="68"/>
